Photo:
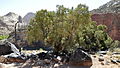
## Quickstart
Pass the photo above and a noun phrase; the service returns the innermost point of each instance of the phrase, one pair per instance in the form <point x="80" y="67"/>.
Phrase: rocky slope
<point x="7" y="23"/>
<point x="110" y="7"/>
<point x="27" y="17"/>
<point x="7" y="26"/>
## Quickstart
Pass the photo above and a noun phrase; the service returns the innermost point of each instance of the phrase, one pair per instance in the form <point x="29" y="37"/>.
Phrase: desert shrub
<point x="114" y="46"/>
<point x="68" y="29"/>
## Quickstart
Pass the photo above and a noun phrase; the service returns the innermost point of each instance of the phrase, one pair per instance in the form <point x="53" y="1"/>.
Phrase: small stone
<point x="101" y="58"/>
<point x="56" y="65"/>
<point x="41" y="62"/>
<point x="102" y="63"/>
<point x="101" y="55"/>
<point x="118" y="61"/>
<point x="3" y="59"/>
<point x="47" y="61"/>
<point x="110" y="56"/>
<point x="107" y="63"/>
<point x="59" y="58"/>
<point x="94" y="56"/>
<point x="102" y="52"/>
<point x="114" y="61"/>
<point x="116" y="53"/>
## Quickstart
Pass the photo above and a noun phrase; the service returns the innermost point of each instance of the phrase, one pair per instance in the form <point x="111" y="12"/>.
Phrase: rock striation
<point x="109" y="15"/>
<point x="112" y="21"/>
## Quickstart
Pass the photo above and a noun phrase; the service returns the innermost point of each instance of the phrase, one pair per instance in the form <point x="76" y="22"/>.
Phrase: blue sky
<point x="22" y="7"/>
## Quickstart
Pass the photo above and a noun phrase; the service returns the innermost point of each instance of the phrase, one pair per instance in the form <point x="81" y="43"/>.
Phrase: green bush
<point x="68" y="29"/>
<point x="114" y="46"/>
<point x="3" y="37"/>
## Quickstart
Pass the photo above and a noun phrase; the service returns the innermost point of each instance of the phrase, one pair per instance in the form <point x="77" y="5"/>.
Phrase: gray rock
<point x="107" y="62"/>
<point x="14" y="48"/>
<point x="7" y="23"/>
<point x="80" y="58"/>
<point x="118" y="61"/>
<point x="102" y="52"/>
<point x="56" y="65"/>
<point x="101" y="58"/>
<point x="7" y="48"/>
<point x="116" y="53"/>
<point x="4" y="48"/>
<point x="101" y="55"/>
<point x="28" y="17"/>
<point x="113" y="61"/>
<point x="110" y="7"/>
<point x="71" y="66"/>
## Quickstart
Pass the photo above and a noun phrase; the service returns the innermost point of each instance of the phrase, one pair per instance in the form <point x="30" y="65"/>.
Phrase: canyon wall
<point x="112" y="21"/>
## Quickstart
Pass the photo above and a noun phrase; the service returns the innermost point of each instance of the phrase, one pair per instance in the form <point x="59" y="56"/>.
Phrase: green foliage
<point x="3" y="37"/>
<point x="116" y="50"/>
<point x="101" y="27"/>
<point x="68" y="29"/>
<point x="114" y="45"/>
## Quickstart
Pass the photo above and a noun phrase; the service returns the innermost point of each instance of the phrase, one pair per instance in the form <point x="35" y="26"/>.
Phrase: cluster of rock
<point x="105" y="60"/>
<point x="105" y="15"/>
<point x="8" y="21"/>
<point x="62" y="59"/>
<point x="110" y="7"/>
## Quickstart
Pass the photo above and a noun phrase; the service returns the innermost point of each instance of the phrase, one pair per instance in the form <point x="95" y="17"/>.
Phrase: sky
<point x="22" y="7"/>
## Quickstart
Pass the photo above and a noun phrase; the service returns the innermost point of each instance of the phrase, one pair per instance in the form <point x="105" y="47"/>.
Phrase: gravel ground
<point x="96" y="64"/>
<point x="104" y="64"/>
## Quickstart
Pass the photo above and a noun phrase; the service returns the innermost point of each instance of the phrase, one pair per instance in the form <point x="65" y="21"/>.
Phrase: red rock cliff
<point x="112" y="21"/>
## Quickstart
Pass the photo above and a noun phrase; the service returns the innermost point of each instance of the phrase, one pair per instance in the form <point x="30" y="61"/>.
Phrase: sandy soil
<point x="104" y="64"/>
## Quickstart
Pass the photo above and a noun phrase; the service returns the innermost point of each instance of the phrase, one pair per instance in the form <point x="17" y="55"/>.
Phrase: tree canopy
<point x="67" y="29"/>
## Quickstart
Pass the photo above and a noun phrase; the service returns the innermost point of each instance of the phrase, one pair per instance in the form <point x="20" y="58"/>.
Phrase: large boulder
<point x="80" y="58"/>
<point x="4" y="48"/>
<point x="7" y="47"/>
